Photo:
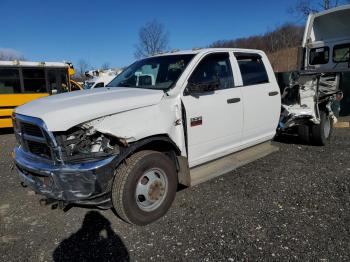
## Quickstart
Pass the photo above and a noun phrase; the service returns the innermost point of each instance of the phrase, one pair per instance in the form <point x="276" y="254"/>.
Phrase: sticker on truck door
<point x="196" y="121"/>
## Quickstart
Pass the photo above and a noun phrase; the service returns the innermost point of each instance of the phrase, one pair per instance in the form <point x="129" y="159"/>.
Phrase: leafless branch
<point x="152" y="39"/>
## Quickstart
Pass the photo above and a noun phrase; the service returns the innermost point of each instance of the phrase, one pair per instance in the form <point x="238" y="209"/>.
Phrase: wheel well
<point x="163" y="145"/>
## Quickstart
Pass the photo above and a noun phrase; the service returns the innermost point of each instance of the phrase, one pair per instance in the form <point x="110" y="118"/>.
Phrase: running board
<point x="221" y="166"/>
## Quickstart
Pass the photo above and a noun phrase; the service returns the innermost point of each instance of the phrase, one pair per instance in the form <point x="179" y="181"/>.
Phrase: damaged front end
<point x="304" y="96"/>
<point x="75" y="166"/>
<point x="84" y="143"/>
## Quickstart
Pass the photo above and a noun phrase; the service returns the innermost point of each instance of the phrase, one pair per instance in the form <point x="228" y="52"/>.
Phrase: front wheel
<point x="144" y="187"/>
<point x="321" y="133"/>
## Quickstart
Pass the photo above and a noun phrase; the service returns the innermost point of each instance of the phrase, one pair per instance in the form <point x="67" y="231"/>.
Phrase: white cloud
<point x="10" y="54"/>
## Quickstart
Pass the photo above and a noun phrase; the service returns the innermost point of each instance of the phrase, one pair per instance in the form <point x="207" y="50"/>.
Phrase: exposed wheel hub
<point x="151" y="189"/>
<point x="156" y="190"/>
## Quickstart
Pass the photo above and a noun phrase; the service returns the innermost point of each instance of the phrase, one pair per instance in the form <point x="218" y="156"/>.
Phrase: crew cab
<point x="174" y="118"/>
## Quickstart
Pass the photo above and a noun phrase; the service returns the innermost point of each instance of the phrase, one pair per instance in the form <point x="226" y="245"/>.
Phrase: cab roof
<point x="208" y="50"/>
<point x="332" y="24"/>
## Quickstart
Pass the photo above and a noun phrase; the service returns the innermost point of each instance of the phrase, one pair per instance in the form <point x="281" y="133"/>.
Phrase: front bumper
<point x="80" y="183"/>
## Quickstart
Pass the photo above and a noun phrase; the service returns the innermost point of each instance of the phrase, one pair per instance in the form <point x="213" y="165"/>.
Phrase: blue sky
<point x="107" y="31"/>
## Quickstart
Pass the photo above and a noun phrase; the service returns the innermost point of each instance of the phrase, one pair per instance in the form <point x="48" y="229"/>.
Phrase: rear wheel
<point x="144" y="187"/>
<point x="322" y="132"/>
<point x="304" y="133"/>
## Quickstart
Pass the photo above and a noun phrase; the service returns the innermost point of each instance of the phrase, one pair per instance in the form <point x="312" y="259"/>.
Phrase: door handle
<point x="274" y="93"/>
<point x="233" y="100"/>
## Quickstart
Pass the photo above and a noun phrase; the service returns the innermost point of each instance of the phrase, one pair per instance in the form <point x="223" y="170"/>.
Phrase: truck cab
<point x="309" y="94"/>
<point x="326" y="42"/>
<point x="166" y="120"/>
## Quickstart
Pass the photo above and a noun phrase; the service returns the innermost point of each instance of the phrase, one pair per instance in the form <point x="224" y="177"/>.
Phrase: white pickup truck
<point x="174" y="118"/>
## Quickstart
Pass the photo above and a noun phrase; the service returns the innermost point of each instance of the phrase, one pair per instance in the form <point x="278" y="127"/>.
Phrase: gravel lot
<point x="291" y="205"/>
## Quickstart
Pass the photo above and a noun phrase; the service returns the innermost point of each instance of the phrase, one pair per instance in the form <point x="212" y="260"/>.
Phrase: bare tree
<point x="83" y="66"/>
<point x="302" y="8"/>
<point x="152" y="39"/>
<point x="8" y="54"/>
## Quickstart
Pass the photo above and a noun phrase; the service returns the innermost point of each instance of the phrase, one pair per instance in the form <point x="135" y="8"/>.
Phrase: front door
<point x="214" y="115"/>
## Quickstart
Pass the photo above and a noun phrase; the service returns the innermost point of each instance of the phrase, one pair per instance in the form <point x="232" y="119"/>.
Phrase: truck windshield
<point x="160" y="72"/>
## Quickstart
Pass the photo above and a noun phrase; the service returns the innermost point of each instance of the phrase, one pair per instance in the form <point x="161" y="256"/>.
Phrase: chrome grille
<point x="31" y="129"/>
<point x="32" y="137"/>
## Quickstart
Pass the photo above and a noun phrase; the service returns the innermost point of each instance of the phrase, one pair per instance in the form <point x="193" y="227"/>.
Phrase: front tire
<point x="144" y="187"/>
<point x="321" y="134"/>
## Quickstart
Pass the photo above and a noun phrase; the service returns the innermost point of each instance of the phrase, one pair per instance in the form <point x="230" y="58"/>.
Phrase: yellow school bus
<point x="23" y="81"/>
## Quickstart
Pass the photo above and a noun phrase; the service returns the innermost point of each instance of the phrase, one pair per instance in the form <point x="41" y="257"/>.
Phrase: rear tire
<point x="304" y="133"/>
<point x="321" y="133"/>
<point x="144" y="187"/>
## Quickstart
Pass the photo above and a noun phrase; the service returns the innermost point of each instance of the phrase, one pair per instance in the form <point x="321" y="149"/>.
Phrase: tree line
<point x="285" y="36"/>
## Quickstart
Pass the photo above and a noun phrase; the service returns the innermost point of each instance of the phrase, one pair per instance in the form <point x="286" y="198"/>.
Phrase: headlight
<point x="16" y="130"/>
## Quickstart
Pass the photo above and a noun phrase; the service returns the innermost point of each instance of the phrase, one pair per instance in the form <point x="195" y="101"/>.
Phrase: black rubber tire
<point x="304" y="133"/>
<point x="125" y="181"/>
<point x="318" y="131"/>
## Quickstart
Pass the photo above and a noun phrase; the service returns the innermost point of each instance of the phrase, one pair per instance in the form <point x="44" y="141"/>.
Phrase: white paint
<point x="261" y="111"/>
<point x="63" y="111"/>
<point x="134" y="114"/>
<point x="327" y="29"/>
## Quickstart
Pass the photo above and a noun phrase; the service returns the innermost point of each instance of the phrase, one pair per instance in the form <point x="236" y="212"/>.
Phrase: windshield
<point x="153" y="73"/>
<point x="88" y="85"/>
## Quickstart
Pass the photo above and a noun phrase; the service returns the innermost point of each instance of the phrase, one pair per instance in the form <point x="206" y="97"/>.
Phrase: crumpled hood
<point x="63" y="111"/>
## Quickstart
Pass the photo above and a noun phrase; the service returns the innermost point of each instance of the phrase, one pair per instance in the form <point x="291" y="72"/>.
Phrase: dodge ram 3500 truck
<point x="170" y="119"/>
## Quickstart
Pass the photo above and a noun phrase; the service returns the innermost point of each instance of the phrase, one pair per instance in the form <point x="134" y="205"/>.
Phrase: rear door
<point x="214" y="118"/>
<point x="261" y="96"/>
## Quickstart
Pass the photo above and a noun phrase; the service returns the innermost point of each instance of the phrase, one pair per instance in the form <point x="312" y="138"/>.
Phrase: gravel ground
<point x="290" y="205"/>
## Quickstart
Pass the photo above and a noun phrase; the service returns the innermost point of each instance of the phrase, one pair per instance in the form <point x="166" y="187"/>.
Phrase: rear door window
<point x="252" y="69"/>
<point x="34" y="80"/>
<point x="319" y="56"/>
<point x="10" y="81"/>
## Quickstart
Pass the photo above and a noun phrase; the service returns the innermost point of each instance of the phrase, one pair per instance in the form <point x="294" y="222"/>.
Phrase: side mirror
<point x="204" y="87"/>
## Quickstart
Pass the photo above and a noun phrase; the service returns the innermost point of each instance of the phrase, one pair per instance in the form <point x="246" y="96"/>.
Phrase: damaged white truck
<point x="175" y="118"/>
<point x="308" y="94"/>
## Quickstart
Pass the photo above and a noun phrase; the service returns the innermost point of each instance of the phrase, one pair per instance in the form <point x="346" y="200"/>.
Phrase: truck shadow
<point x="94" y="241"/>
<point x="291" y="139"/>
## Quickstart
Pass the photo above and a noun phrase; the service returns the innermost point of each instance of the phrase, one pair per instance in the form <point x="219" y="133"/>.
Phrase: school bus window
<point x="64" y="80"/>
<point x="9" y="81"/>
<point x="52" y="80"/>
<point x="34" y="80"/>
